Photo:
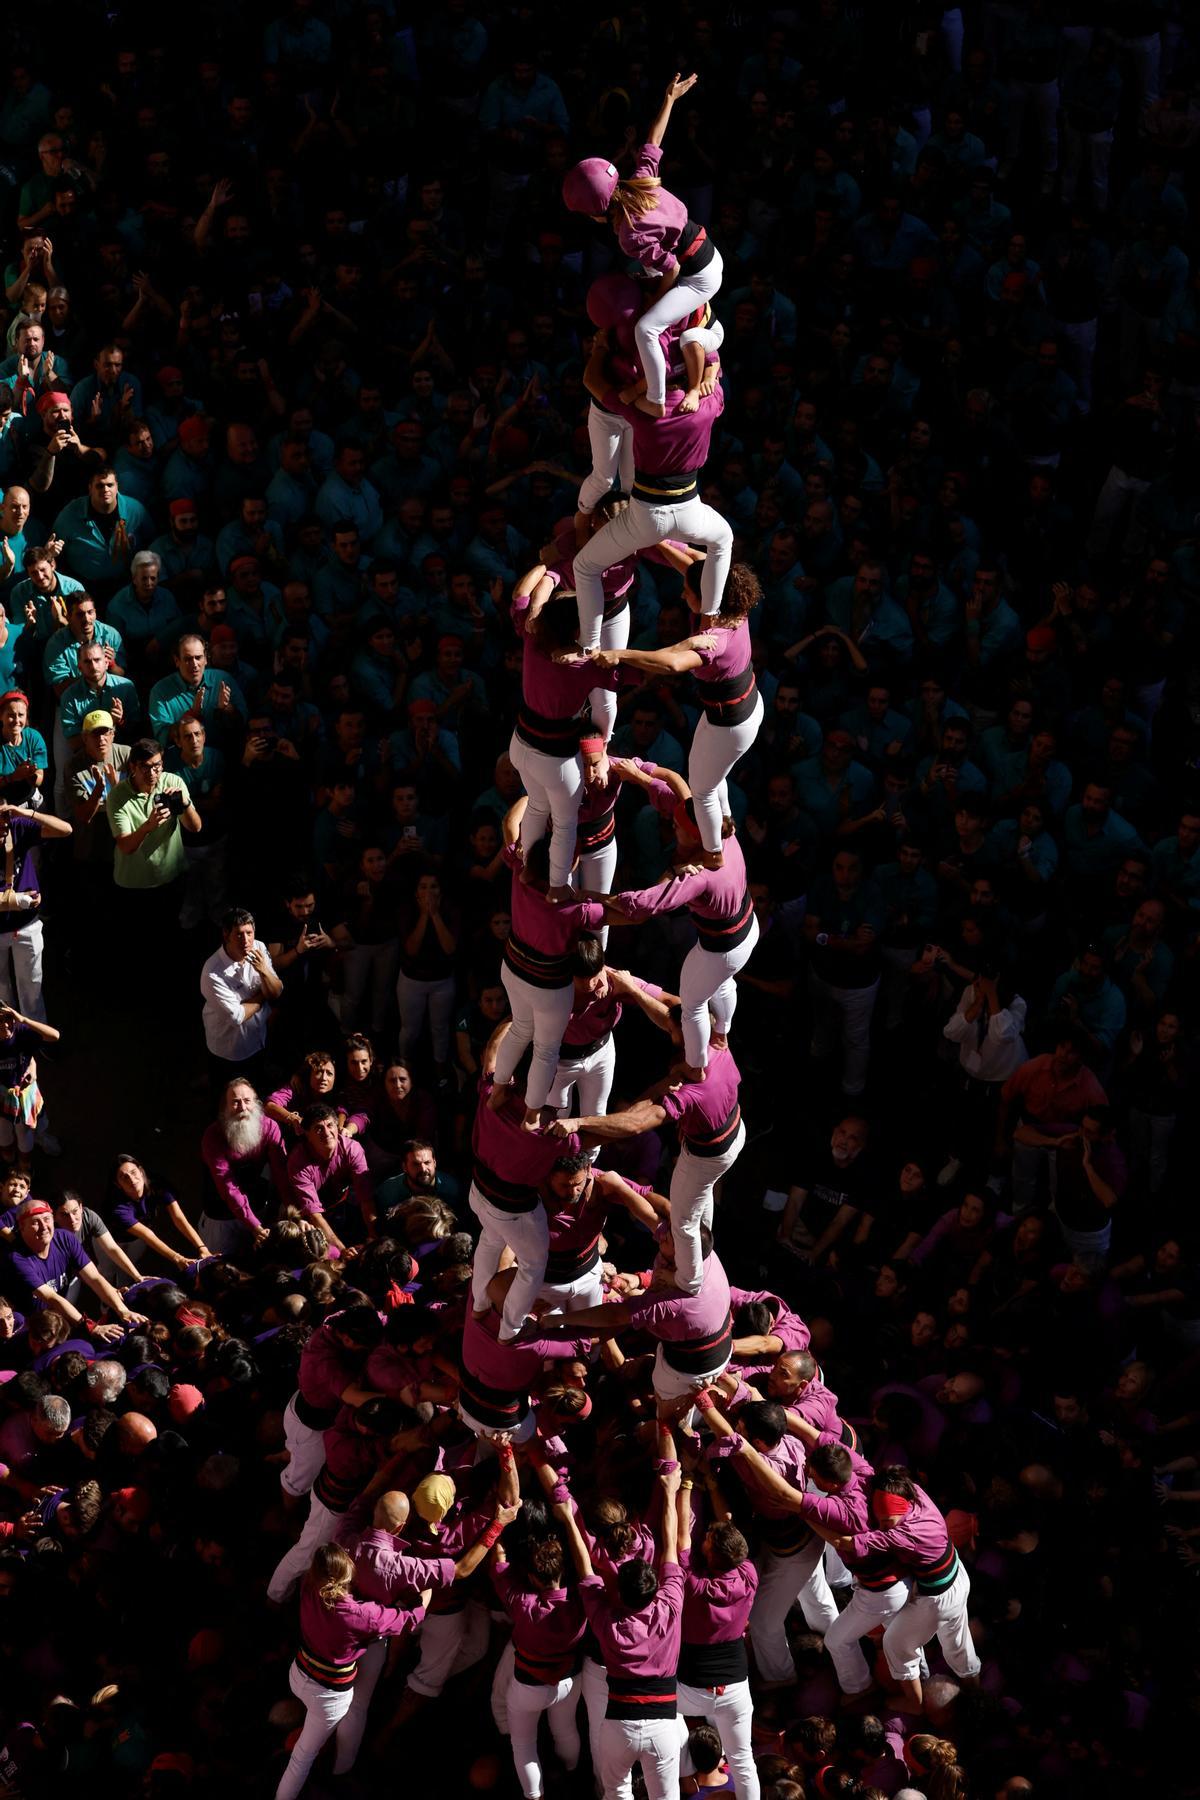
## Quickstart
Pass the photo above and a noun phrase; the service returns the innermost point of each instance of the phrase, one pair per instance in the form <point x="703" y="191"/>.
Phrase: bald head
<point x="391" y="1512"/>
<point x="135" y="1433"/>
<point x="790" y="1374"/>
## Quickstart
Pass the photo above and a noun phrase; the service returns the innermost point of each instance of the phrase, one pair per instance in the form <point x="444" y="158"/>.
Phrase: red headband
<point x="889" y="1506"/>
<point x="30" y="1208"/>
<point x="592" y="745"/>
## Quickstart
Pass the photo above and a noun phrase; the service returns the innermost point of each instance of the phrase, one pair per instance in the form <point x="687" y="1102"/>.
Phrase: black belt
<point x="724" y="934"/>
<point x="713" y="1665"/>
<point x="544" y="1671"/>
<point x="317" y="1418"/>
<point x="695" y="247"/>
<point x="537" y="967"/>
<point x="641" y="1697"/>
<point x="591" y="834"/>
<point x="721" y="1139"/>
<point x="729" y="702"/>
<point x="501" y="1408"/>
<point x="573" y="1053"/>
<point x="666" y="488"/>
<point x="698" y="1355"/>
<point x="569" y="1265"/>
<point x="509" y="1196"/>
<point x="554" y="737"/>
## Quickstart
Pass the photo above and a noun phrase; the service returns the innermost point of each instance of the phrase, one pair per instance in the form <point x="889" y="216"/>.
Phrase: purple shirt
<point x="918" y="1537"/>
<point x="676" y="1318"/>
<point x="598" y="1015"/>
<point x="651" y="237"/>
<point x="717" y="894"/>
<point x="644" y="1642"/>
<point x="508" y="1368"/>
<point x="716" y="1608"/>
<point x="326" y="1370"/>
<point x="599" y="802"/>
<point x="731" y="656"/>
<point x="701" y="1108"/>
<point x="847" y="1511"/>
<point x="523" y="1158"/>
<point x="231" y="1175"/>
<point x="340" y="1632"/>
<point x="382" y="1570"/>
<point x="788" y="1327"/>
<point x="314" y="1183"/>
<point x="676" y="444"/>
<point x="817" y="1406"/>
<point x="65" y="1259"/>
<point x="547" y="1623"/>
<point x="551" y="930"/>
<point x="556" y="690"/>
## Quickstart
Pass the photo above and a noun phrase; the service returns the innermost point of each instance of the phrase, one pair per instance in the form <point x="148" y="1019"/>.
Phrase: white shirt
<point x="225" y="985"/>
<point x="1003" y="1047"/>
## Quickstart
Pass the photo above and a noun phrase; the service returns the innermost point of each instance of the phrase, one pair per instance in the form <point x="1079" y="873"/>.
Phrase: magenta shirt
<point x="552" y="930"/>
<point x="716" y="1608"/>
<point x="700" y="1108"/>
<point x="717" y="894"/>
<point x="651" y="238"/>
<point x="645" y="1642"/>
<point x="846" y="1512"/>
<point x="232" y="1174"/>
<point x="325" y="1368"/>
<point x="510" y="1368"/>
<point x="338" y="1633"/>
<point x="788" y="1326"/>
<point x="596" y="1016"/>
<point x="497" y="1140"/>
<point x="676" y="1318"/>
<point x="547" y="1622"/>
<point x="382" y="1570"/>
<point x="679" y="442"/>
<point x="731" y="656"/>
<point x="817" y="1406"/>
<point x="599" y="801"/>
<point x="314" y="1183"/>
<point x="919" y="1536"/>
<point x="557" y="690"/>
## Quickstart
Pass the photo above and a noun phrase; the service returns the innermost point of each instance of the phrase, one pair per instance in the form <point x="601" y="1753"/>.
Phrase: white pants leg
<point x="611" y="438"/>
<point x="306" y="1453"/>
<point x="539" y="1017"/>
<point x="672" y="1384"/>
<point x="614" y="635"/>
<point x="592" y="1080"/>
<point x="325" y="1708"/>
<point x="943" y="1616"/>
<point x="527" y="1235"/>
<point x="353" y="1727"/>
<point x="692" y="1184"/>
<point x="595" y="872"/>
<point x="500" y="1681"/>
<point x="637" y="528"/>
<point x="652" y="1742"/>
<point x="575" y="1296"/>
<point x="730" y="1710"/>
<point x="319" y="1528"/>
<point x="784" y="1582"/>
<point x="707" y="979"/>
<point x="594" y="1683"/>
<point x="866" y="1612"/>
<point x="716" y="749"/>
<point x="554" y="785"/>
<point x="691" y="290"/>
<point x="418" y="1000"/>
<point x="21" y="987"/>
<point x="450" y="1643"/>
<point x="525" y="1707"/>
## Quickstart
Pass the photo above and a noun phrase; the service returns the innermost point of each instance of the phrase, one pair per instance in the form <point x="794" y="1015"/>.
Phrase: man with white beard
<point x="246" y="1163"/>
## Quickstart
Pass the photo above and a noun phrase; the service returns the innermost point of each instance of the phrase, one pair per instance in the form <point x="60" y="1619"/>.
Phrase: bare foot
<point x="655" y="408"/>
<point x="690" y="402"/>
<point x="718" y="1040"/>
<point x="727" y="827"/>
<point x="532" y="1120"/>
<point x="712" y="859"/>
<point x="691" y="1072"/>
<point x="561" y="896"/>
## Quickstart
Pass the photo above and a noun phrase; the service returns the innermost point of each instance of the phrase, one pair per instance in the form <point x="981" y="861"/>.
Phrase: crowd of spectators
<point x="292" y="398"/>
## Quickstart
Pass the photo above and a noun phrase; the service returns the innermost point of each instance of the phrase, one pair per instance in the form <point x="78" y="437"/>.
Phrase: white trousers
<point x="319" y="1528"/>
<point x="486" y="1434"/>
<point x="306" y="1452"/>
<point x="866" y="1612"/>
<point x="943" y="1616"/>
<point x="845" y="1014"/>
<point x="707" y="980"/>
<point x="592" y="1079"/>
<point x="527" y="1235"/>
<point x="450" y="1643"/>
<point x="539" y="1017"/>
<point x="595" y="873"/>
<point x="594" y="1683"/>
<point x="559" y="1700"/>
<point x="419" y="1000"/>
<point x="652" y="1742"/>
<point x="691" y="290"/>
<point x="611" y="438"/>
<point x="692" y="1184"/>
<point x="575" y="1296"/>
<point x="672" y="1384"/>
<point x="716" y="749"/>
<point x="637" y="528"/>
<point x="21" y="970"/>
<point x="731" y="1711"/>
<point x="371" y="1665"/>
<point x="554" y="785"/>
<point x="326" y="1710"/>
<point x="614" y="635"/>
<point x="784" y="1581"/>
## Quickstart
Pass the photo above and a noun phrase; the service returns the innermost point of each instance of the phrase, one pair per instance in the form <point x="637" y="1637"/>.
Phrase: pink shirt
<point x="520" y="1158"/>
<point x="382" y="1569"/>
<point x="645" y="1642"/>
<point x="679" y="442"/>
<point x="596" y="821"/>
<point x="848" y="1511"/>
<point x="326" y="1370"/>
<point x="716" y="1608"/>
<point x="676" y="1318"/>
<point x="600" y="1014"/>
<point x="651" y="238"/>
<point x="717" y="894"/>
<point x="700" y="1108"/>
<point x="917" y="1538"/>
<point x="339" y="1633"/>
<point x="232" y="1174"/>
<point x="555" y="690"/>
<point x="817" y="1406"/>
<point x="548" y="1627"/>
<point x="731" y="656"/>
<point x="551" y="930"/>
<point x="315" y="1184"/>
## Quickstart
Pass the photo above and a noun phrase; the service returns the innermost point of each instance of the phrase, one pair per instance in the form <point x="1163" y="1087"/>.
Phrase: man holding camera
<point x="145" y="811"/>
<point x="239" y="984"/>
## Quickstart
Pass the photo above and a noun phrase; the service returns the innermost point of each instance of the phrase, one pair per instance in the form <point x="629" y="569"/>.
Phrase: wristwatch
<point x="822" y="938"/>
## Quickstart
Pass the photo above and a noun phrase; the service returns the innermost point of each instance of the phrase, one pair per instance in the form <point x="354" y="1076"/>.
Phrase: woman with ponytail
<point x="335" y="1629"/>
<point x="719" y="657"/>
<point x="933" y="1763"/>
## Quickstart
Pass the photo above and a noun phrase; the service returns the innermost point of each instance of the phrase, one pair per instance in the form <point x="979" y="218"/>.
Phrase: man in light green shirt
<point x="145" y="824"/>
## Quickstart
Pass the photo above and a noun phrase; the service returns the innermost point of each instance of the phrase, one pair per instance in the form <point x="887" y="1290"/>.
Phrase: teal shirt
<point x="823" y="803"/>
<point x="1098" y="854"/>
<point x="59" y="663"/>
<point x="88" y="551"/>
<point x="79" y="700"/>
<point x="171" y="697"/>
<point x="140" y="623"/>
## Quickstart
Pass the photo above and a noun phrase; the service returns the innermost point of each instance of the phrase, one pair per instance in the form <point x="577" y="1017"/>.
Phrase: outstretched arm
<point x="676" y="89"/>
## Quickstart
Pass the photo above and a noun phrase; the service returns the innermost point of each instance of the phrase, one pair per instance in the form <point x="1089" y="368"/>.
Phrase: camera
<point x="269" y="741"/>
<point x="172" y="799"/>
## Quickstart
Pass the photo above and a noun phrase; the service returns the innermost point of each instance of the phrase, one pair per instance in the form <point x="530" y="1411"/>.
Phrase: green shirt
<point x="159" y="858"/>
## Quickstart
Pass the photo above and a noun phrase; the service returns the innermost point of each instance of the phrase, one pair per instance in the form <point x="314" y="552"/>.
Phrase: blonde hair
<point x="331" y="1574"/>
<point x="637" y="196"/>
<point x="937" y="1761"/>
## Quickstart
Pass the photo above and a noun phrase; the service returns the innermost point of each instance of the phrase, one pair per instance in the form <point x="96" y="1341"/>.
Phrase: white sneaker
<point x="948" y="1171"/>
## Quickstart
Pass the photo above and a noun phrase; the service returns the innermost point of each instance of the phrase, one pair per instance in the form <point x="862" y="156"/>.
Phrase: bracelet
<point x="492" y="1534"/>
<point x="686" y="1485"/>
<point x="705" y="1401"/>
